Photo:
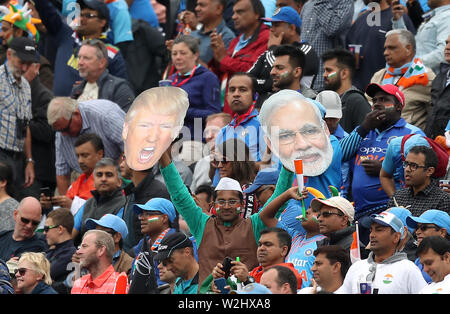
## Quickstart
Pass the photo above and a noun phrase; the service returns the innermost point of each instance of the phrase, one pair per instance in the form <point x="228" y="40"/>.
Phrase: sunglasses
<point x="26" y="221"/>
<point x="329" y="214"/>
<point x="47" y="228"/>
<point x="425" y="227"/>
<point x="223" y="161"/>
<point x="67" y="128"/>
<point x="21" y="271"/>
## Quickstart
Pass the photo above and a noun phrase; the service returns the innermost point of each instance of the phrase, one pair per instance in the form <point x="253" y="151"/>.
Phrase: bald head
<point x="27" y="217"/>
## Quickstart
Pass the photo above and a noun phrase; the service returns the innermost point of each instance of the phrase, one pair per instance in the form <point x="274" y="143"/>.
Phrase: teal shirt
<point x="186" y="286"/>
<point x="194" y="216"/>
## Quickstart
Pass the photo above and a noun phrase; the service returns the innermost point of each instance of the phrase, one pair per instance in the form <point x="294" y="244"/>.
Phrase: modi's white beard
<point x="314" y="168"/>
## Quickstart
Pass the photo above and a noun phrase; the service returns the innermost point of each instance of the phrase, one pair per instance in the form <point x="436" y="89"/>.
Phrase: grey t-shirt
<point x="6" y="214"/>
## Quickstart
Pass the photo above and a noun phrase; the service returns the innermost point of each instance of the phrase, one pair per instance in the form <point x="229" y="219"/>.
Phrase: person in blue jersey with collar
<point x="304" y="242"/>
<point x="245" y="124"/>
<point x="369" y="143"/>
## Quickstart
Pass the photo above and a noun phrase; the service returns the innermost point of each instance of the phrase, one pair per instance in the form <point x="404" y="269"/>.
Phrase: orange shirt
<point x="81" y="187"/>
<point x="103" y="284"/>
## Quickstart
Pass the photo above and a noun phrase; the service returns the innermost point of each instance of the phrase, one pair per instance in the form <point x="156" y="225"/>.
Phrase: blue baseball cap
<point x="431" y="216"/>
<point x="285" y="14"/>
<point x="109" y="221"/>
<point x="265" y="176"/>
<point x="386" y="219"/>
<point x="415" y="140"/>
<point x="447" y="128"/>
<point x="159" y="205"/>
<point x="401" y="213"/>
<point x="253" y="288"/>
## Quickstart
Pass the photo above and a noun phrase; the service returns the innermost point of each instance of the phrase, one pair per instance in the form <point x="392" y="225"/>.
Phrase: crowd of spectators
<point x="93" y="202"/>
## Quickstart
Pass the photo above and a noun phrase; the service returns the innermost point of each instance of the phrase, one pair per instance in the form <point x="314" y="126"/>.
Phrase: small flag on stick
<point x="300" y="182"/>
<point x="355" y="253"/>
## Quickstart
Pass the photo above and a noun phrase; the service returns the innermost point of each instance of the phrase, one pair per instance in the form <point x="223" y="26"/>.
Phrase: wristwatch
<point x="30" y="160"/>
<point x="249" y="280"/>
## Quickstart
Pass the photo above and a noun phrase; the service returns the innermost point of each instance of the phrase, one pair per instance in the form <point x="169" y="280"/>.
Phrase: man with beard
<point x="15" y="112"/>
<point x="294" y="129"/>
<point x="338" y="71"/>
<point x="370" y="141"/>
<point x="96" y="255"/>
<point x="287" y="70"/>
<point x="107" y="198"/>
<point x="285" y="30"/>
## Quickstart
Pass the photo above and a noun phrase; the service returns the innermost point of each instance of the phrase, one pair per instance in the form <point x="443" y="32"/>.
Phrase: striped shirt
<point x="103" y="284"/>
<point x="101" y="117"/>
<point x="15" y="102"/>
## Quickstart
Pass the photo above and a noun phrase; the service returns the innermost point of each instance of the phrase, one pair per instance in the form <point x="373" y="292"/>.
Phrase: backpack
<point x="442" y="155"/>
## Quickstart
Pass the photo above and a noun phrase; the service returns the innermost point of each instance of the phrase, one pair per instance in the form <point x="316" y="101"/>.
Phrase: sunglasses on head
<point x="26" y="221"/>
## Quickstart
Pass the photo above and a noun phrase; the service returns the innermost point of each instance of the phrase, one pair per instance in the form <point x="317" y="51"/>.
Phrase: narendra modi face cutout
<point x="294" y="129"/>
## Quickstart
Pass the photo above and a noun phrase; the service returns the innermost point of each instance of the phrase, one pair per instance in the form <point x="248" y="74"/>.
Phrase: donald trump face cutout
<point x="152" y="123"/>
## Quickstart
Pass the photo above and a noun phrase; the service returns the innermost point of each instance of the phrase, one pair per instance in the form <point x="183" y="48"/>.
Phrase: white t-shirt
<point x="441" y="287"/>
<point x="90" y="92"/>
<point x="402" y="277"/>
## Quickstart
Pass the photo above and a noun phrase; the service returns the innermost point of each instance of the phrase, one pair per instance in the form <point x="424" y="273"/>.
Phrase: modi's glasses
<point x="308" y="132"/>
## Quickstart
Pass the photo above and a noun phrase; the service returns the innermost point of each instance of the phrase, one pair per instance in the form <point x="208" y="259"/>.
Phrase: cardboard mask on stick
<point x="294" y="129"/>
<point x="153" y="121"/>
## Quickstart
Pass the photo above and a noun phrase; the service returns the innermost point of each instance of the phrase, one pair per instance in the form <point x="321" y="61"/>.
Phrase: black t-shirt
<point x="10" y="248"/>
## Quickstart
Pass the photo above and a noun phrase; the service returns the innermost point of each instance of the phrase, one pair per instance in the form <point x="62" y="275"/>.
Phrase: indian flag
<point x="387" y="278"/>
<point x="355" y="254"/>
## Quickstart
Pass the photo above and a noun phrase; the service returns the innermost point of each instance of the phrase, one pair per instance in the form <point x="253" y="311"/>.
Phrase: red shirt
<point x="81" y="187"/>
<point x="240" y="61"/>
<point x="257" y="272"/>
<point x="103" y="284"/>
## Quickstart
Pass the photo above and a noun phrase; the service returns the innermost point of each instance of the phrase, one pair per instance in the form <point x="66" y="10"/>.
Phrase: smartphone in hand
<point x="220" y="284"/>
<point x="227" y="266"/>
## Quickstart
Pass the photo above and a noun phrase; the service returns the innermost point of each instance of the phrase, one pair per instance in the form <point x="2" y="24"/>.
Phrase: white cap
<point x="229" y="185"/>
<point x="332" y="103"/>
<point x="337" y="202"/>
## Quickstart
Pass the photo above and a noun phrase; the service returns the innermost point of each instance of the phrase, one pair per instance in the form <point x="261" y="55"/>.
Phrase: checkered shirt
<point x="15" y="102"/>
